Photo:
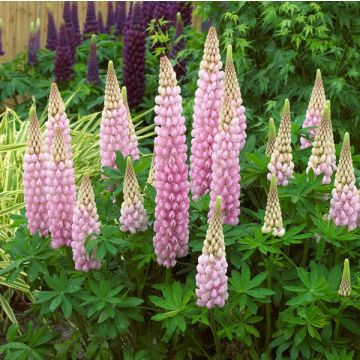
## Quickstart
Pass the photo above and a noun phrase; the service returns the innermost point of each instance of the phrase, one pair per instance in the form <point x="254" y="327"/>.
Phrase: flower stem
<point x="215" y="335"/>
<point x="167" y="275"/>
<point x="268" y="314"/>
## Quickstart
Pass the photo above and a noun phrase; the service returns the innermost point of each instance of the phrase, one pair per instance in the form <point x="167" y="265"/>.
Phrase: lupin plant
<point x="172" y="188"/>
<point x="51" y="37"/>
<point x="34" y="178"/>
<point x="206" y="115"/>
<point x="314" y="110"/>
<point x="345" y="201"/>
<point x="114" y="122"/>
<point x="232" y="91"/>
<point x="110" y="19"/>
<point x="32" y="58"/>
<point x="211" y="279"/>
<point x="345" y="284"/>
<point x="273" y="218"/>
<point x="133" y="216"/>
<point x="148" y="10"/>
<point x="92" y="74"/>
<point x="271" y="138"/>
<point x="120" y="16"/>
<point x="37" y="34"/>
<point x="1" y="45"/>
<point x="185" y="8"/>
<point x="67" y="16"/>
<point x="225" y="164"/>
<point x="323" y="157"/>
<point x="91" y="25"/>
<point x="85" y="223"/>
<point x="75" y="23"/>
<point x="64" y="59"/>
<point x="101" y="28"/>
<point x="281" y="163"/>
<point x="60" y="191"/>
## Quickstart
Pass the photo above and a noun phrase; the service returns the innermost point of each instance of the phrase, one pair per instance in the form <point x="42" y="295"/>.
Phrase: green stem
<point x="305" y="252"/>
<point x="215" y="335"/>
<point x="337" y="322"/>
<point x="167" y="275"/>
<point x="268" y="314"/>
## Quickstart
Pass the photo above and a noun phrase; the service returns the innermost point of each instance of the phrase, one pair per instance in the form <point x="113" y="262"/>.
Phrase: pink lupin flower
<point x="211" y="279"/>
<point x="56" y="119"/>
<point x="34" y="179"/>
<point x="314" y="110"/>
<point x="226" y="167"/>
<point x="345" y="201"/>
<point x="323" y="157"/>
<point x="133" y="216"/>
<point x="206" y="115"/>
<point x="133" y="150"/>
<point x="60" y="191"/>
<point x="281" y="163"/>
<point x="114" y="122"/>
<point x="85" y="223"/>
<point x="172" y="188"/>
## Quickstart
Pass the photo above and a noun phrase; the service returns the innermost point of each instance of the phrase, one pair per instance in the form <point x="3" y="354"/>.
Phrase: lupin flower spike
<point x="75" y="22"/>
<point x="114" y="122"/>
<point x="315" y="108"/>
<point x="100" y="23"/>
<point x="281" y="163"/>
<point x="64" y="58"/>
<point x="133" y="216"/>
<point x="110" y="20"/>
<point x="133" y="150"/>
<point x="85" y="223"/>
<point x="211" y="279"/>
<point x="232" y="91"/>
<point x="172" y="188"/>
<point x="345" y="284"/>
<point x="151" y="177"/>
<point x="51" y="38"/>
<point x="323" y="157"/>
<point x="120" y="16"/>
<point x="32" y="58"/>
<point x="91" y="24"/>
<point x="225" y="164"/>
<point x="60" y="191"/>
<point x="273" y="218"/>
<point x="345" y="201"/>
<point x="34" y="179"/>
<point x="92" y="63"/>
<point x="206" y="116"/>
<point x="271" y="138"/>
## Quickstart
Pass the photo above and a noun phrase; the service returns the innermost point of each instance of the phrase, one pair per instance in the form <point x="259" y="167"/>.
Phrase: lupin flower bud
<point x="51" y="39"/>
<point x="114" y="122"/>
<point x="271" y="138"/>
<point x="232" y="91"/>
<point x="64" y="58"/>
<point x="85" y="223"/>
<point x="92" y="63"/>
<point x="100" y="23"/>
<point x="281" y="163"/>
<point x="151" y="177"/>
<point x="206" y="115"/>
<point x="323" y="157"/>
<point x="91" y="24"/>
<point x="1" y="46"/>
<point x="32" y="58"/>
<point x="345" y="202"/>
<point x="60" y="192"/>
<point x="211" y="279"/>
<point x="120" y="16"/>
<point x="110" y="20"/>
<point x="34" y="179"/>
<point x="273" y="218"/>
<point x="225" y="164"/>
<point x="133" y="216"/>
<point x="315" y="108"/>
<point x="345" y="284"/>
<point x="75" y="23"/>
<point x="172" y="188"/>
<point x="185" y="8"/>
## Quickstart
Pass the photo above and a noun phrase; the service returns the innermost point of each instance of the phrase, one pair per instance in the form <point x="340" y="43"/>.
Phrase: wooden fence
<point x="17" y="15"/>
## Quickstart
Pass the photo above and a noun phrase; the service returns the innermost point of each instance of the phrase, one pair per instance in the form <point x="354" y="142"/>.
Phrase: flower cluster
<point x="64" y="57"/>
<point x="51" y="39"/>
<point x="92" y="74"/>
<point x="110" y="20"/>
<point x="345" y="284"/>
<point x="91" y="24"/>
<point x="270" y="146"/>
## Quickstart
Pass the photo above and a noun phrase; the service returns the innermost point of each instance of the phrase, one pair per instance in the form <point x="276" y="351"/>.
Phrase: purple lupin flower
<point x="37" y="34"/>
<point x="110" y="19"/>
<point x="32" y="58"/>
<point x="128" y="18"/>
<point x="1" y="45"/>
<point x="172" y="188"/>
<point x="178" y="45"/>
<point x="70" y="29"/>
<point x="185" y="8"/>
<point x="63" y="57"/>
<point x="75" y="23"/>
<point x="134" y="58"/>
<point x="148" y="10"/>
<point x="120" y="17"/>
<point x="100" y="23"/>
<point x="51" y="39"/>
<point x="92" y="63"/>
<point x="91" y="25"/>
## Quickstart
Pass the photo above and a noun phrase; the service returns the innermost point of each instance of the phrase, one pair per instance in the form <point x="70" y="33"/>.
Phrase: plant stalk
<point x="215" y="335"/>
<point x="268" y="313"/>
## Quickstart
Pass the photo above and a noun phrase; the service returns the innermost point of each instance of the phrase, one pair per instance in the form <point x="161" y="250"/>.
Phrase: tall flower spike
<point x="206" y="115"/>
<point x="271" y="138"/>
<point x="273" y="218"/>
<point x="37" y="34"/>
<point x="64" y="58"/>
<point x="345" y="284"/>
<point x="133" y="150"/>
<point x="323" y="157"/>
<point x="32" y="58"/>
<point x="51" y="38"/>
<point x="114" y="122"/>
<point x="232" y="91"/>
<point x="56" y="119"/>
<point x="225" y="164"/>
<point x="75" y="23"/>
<point x="60" y="192"/>
<point x="281" y="163"/>
<point x="345" y="201"/>
<point x="100" y="23"/>
<point x="314" y="110"/>
<point x="85" y="223"/>
<point x="151" y="177"/>
<point x="91" y="24"/>
<point x="110" y="19"/>
<point x="211" y="279"/>
<point x="92" y="63"/>
<point x="67" y="16"/>
<point x="34" y="179"/>
<point x="133" y="216"/>
<point x="120" y="16"/>
<point x="172" y="188"/>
